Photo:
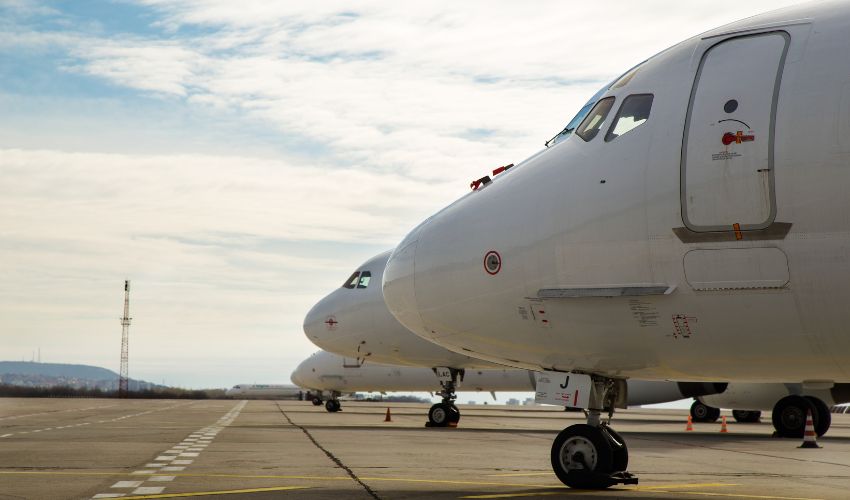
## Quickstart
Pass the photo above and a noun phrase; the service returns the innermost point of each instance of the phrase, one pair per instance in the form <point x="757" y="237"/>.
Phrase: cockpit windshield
<point x="365" y="278"/>
<point x="620" y="81"/>
<point x="577" y="119"/>
<point x="352" y="281"/>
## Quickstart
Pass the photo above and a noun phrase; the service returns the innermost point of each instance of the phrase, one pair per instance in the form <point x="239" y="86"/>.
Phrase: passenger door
<point x="727" y="176"/>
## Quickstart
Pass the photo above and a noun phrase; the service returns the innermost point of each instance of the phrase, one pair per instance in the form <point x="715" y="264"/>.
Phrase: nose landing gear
<point x="333" y="405"/>
<point x="593" y="455"/>
<point x="445" y="413"/>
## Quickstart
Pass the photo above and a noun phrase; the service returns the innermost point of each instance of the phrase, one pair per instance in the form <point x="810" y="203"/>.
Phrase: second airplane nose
<point x="316" y="323"/>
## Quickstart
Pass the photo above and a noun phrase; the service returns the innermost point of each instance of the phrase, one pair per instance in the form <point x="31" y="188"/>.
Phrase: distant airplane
<point x="327" y="372"/>
<point x="271" y="391"/>
<point x="693" y="226"/>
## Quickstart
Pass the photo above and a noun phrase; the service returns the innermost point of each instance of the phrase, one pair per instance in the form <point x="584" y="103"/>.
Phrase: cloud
<point x="257" y="151"/>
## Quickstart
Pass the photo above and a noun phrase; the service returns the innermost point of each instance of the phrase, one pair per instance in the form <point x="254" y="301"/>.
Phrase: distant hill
<point x="57" y="370"/>
<point x="30" y="374"/>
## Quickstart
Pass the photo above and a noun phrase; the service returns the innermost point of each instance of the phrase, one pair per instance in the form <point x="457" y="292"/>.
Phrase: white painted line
<point x="109" y="495"/>
<point x="180" y="447"/>
<point x="165" y="457"/>
<point x="127" y="484"/>
<point x="181" y="462"/>
<point x="144" y="472"/>
<point x="195" y="449"/>
<point x="172" y="452"/>
<point x="172" y="469"/>
<point x="7" y="435"/>
<point x="192" y="454"/>
<point x="148" y="490"/>
<point x="161" y="478"/>
<point x="154" y="464"/>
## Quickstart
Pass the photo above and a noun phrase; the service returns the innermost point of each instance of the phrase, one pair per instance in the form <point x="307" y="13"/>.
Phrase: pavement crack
<point x="331" y="456"/>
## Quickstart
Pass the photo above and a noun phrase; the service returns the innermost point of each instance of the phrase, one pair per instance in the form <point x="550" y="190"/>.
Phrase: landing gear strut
<point x="333" y="405"/>
<point x="593" y="455"/>
<point x="445" y="413"/>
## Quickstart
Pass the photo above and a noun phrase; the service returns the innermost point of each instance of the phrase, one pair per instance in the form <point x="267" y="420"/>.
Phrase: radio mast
<point x="123" y="381"/>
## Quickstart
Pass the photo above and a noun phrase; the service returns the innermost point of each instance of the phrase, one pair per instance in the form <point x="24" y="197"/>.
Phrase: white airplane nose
<point x="316" y="322"/>
<point x="399" y="294"/>
<point x="297" y="378"/>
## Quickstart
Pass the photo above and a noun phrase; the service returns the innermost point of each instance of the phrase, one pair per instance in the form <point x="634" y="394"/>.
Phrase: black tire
<point x="582" y="457"/>
<point x="440" y="415"/>
<point x="620" y="458"/>
<point x="317" y="402"/>
<point x="747" y="416"/>
<point x="454" y="413"/>
<point x="333" y="405"/>
<point x="824" y="417"/>
<point x="789" y="416"/>
<point x="701" y="412"/>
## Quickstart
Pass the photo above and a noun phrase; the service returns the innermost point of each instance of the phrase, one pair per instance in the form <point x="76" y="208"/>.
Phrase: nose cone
<point x="301" y="375"/>
<point x="319" y="323"/>
<point x="399" y="292"/>
<point x="297" y="378"/>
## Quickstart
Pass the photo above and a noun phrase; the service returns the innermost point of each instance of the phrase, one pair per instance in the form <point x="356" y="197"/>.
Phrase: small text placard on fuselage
<point x="563" y="389"/>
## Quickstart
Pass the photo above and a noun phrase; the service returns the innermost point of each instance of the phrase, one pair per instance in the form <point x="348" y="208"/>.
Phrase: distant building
<point x="512" y="402"/>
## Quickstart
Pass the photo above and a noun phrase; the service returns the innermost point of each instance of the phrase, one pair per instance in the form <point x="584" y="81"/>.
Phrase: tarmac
<point x="229" y="449"/>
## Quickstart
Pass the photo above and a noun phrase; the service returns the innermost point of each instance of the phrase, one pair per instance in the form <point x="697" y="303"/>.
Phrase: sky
<point x="238" y="160"/>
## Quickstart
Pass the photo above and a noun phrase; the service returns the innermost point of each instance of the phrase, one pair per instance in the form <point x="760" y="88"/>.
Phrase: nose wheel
<point x="446" y="413"/>
<point x="443" y="414"/>
<point x="333" y="405"/>
<point x="593" y="455"/>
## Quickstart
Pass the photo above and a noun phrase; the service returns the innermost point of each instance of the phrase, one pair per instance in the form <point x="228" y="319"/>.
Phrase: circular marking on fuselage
<point x="492" y="262"/>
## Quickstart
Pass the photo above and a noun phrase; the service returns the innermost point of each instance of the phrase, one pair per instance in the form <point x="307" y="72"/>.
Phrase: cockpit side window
<point x="365" y="278"/>
<point x="595" y="119"/>
<point x="633" y="113"/>
<point x="352" y="281"/>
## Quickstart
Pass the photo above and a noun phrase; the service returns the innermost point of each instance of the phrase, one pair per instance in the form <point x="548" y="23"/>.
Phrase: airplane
<point x="353" y="322"/>
<point x="327" y="372"/>
<point x="691" y="227"/>
<point x="276" y="391"/>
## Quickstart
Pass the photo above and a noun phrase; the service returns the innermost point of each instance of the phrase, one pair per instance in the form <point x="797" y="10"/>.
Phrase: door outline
<point x="771" y="135"/>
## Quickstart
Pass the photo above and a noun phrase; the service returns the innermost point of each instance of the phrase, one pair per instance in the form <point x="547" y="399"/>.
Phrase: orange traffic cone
<point x="723" y="425"/>
<point x="389" y="417"/>
<point x="690" y="426"/>
<point x="809" y="436"/>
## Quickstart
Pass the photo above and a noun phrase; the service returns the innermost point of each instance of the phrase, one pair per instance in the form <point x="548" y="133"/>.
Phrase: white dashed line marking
<point x="148" y="490"/>
<point x="174" y="459"/>
<point x="127" y="484"/>
<point x="162" y="478"/>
